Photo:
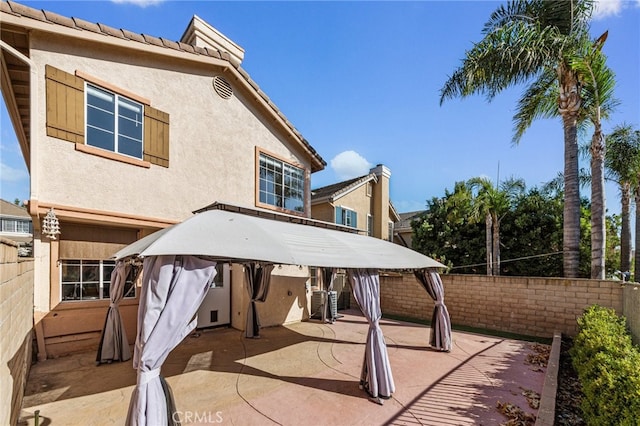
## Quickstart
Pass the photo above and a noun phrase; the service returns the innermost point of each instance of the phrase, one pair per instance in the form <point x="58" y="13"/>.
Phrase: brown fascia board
<point x="100" y="33"/>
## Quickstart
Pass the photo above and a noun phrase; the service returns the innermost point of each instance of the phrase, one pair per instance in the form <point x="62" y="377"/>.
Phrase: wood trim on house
<point x="82" y="215"/>
<point x="112" y="87"/>
<point x="88" y="149"/>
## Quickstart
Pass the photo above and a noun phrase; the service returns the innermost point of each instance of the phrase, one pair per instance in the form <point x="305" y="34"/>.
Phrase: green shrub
<point x="608" y="365"/>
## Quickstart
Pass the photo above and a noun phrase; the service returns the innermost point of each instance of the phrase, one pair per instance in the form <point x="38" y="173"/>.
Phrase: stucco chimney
<point x="380" y="202"/>
<point x="201" y="34"/>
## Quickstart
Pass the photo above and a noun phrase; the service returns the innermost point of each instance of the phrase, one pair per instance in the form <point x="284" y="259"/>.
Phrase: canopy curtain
<point x="114" y="345"/>
<point x="376" y="376"/>
<point x="258" y="277"/>
<point x="173" y="288"/>
<point x="328" y="277"/>
<point x="440" y="321"/>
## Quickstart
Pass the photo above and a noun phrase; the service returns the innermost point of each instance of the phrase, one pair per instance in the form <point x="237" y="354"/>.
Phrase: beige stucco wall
<point x="212" y="158"/>
<point x="16" y="323"/>
<point x="359" y="201"/>
<point x="212" y="142"/>
<point x="288" y="300"/>
<point x="323" y="211"/>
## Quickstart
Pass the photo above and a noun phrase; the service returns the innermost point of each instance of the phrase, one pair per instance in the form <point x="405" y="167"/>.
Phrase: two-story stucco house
<point x="15" y="225"/>
<point x="124" y="134"/>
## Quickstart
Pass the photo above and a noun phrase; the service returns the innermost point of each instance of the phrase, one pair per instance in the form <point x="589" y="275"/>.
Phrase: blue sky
<point x="361" y="81"/>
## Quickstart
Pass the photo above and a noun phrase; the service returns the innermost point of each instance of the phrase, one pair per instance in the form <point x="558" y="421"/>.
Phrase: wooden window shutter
<point x="65" y="105"/>
<point x="156" y="136"/>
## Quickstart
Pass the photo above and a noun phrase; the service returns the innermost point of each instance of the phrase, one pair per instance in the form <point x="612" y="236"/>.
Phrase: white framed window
<point x="369" y="189"/>
<point x="346" y="216"/>
<point x="369" y="225"/>
<point x="114" y="122"/>
<point x="16" y="226"/>
<point x="390" y="226"/>
<point x="280" y="184"/>
<point x="90" y="280"/>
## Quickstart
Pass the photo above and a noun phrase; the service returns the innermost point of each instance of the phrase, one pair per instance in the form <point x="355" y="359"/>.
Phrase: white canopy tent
<point x="230" y="236"/>
<point x="245" y="236"/>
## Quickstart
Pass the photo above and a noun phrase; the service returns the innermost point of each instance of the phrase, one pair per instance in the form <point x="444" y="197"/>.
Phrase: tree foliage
<point x="531" y="234"/>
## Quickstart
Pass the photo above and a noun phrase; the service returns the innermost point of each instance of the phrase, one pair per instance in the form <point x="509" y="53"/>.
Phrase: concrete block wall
<point x="523" y="305"/>
<point x="16" y="324"/>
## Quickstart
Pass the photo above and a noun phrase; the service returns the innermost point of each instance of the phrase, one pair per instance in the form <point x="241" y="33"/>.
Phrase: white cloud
<point x="606" y="8"/>
<point x="9" y="174"/>
<point x="141" y="3"/>
<point x="350" y="164"/>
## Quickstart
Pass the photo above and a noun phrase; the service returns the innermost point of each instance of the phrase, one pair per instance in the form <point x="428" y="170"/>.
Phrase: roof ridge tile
<point x="59" y="19"/>
<point x="86" y="25"/>
<point x="27" y="11"/>
<point x="106" y="29"/>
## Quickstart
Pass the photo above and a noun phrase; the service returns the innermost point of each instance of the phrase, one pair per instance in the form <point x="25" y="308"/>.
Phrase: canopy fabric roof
<point x="231" y="236"/>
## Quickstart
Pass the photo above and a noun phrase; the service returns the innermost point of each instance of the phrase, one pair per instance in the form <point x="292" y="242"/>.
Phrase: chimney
<point x="380" y="201"/>
<point x="201" y="34"/>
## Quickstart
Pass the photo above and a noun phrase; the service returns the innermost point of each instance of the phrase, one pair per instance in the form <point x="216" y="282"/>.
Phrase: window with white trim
<point x="114" y="122"/>
<point x="369" y="225"/>
<point x="16" y="225"/>
<point x="281" y="184"/>
<point x="347" y="217"/>
<point x="390" y="226"/>
<point x="90" y="280"/>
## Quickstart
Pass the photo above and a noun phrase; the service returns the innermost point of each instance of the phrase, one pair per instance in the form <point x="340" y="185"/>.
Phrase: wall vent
<point x="222" y="87"/>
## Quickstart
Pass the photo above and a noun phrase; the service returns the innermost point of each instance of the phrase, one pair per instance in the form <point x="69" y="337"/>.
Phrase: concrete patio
<point x="303" y="373"/>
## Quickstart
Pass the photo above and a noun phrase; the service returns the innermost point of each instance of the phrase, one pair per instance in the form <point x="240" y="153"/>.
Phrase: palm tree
<point x="599" y="82"/>
<point x="493" y="203"/>
<point x="535" y="40"/>
<point x="597" y="103"/>
<point x="622" y="161"/>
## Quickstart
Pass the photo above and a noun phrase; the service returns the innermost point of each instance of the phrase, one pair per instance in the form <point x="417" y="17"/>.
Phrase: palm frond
<point x="511" y="54"/>
<point x="540" y="100"/>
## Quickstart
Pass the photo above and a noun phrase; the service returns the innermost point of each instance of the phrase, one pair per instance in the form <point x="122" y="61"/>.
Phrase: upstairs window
<point x="347" y="217"/>
<point x="281" y="184"/>
<point x="105" y="120"/>
<point x="114" y="123"/>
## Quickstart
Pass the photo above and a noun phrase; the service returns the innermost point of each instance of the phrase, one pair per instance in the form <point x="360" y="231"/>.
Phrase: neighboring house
<point x="124" y="134"/>
<point x="15" y="225"/>
<point x="403" y="233"/>
<point x="362" y="203"/>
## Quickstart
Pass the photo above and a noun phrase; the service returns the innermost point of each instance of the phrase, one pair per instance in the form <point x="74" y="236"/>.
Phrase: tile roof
<point x="18" y="9"/>
<point x="407" y="218"/>
<point x="10" y="209"/>
<point x="338" y="188"/>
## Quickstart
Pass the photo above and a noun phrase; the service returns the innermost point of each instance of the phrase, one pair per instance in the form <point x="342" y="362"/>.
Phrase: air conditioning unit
<point x="318" y="303"/>
<point x="333" y="305"/>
